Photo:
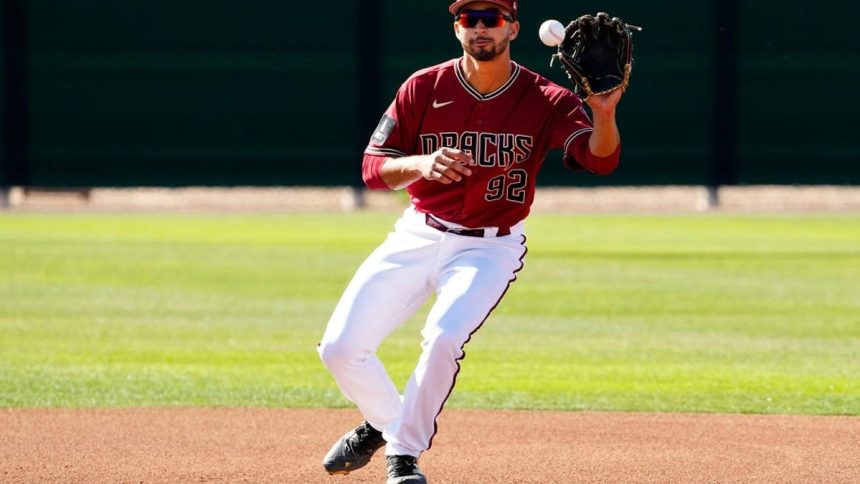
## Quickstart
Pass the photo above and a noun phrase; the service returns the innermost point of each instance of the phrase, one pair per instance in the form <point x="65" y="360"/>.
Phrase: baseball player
<point x="466" y="139"/>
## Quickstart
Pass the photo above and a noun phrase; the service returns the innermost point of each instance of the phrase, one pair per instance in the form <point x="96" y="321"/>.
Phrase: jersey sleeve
<point x="388" y="137"/>
<point x="370" y="166"/>
<point x="394" y="136"/>
<point x="396" y="133"/>
<point x="571" y="130"/>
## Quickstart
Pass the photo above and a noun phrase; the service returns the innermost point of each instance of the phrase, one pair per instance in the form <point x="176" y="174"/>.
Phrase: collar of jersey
<point x="484" y="97"/>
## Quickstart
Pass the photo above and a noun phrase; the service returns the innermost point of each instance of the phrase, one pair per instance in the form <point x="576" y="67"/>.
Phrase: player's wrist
<point x="602" y="115"/>
<point x="396" y="173"/>
<point x="412" y="167"/>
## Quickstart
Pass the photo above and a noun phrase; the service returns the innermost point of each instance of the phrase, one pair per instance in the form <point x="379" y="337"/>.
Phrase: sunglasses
<point x="490" y="18"/>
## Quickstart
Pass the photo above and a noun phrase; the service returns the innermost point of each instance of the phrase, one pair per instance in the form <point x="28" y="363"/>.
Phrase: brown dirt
<point x="633" y="199"/>
<point x="269" y="445"/>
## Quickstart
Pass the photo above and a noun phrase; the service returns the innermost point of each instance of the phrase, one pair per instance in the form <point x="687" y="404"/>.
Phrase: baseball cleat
<point x="403" y="469"/>
<point x="353" y="450"/>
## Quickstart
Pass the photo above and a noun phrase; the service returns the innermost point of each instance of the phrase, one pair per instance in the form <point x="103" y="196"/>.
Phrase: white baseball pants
<point x="469" y="276"/>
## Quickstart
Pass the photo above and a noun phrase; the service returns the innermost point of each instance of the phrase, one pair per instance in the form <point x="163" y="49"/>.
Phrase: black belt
<point x="432" y="222"/>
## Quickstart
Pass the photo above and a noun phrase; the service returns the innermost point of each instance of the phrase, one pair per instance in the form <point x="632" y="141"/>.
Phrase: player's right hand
<point x="446" y="165"/>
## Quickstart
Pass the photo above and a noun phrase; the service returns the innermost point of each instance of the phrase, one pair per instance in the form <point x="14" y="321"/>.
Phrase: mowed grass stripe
<point x="713" y="313"/>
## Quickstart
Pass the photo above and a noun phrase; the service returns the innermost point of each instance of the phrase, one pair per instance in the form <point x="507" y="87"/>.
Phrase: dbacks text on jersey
<point x="487" y="149"/>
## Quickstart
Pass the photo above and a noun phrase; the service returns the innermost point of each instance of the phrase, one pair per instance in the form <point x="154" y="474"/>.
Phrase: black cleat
<point x="353" y="450"/>
<point x="403" y="469"/>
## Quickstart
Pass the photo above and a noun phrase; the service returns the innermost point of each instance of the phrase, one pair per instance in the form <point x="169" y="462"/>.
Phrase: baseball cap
<point x="510" y="5"/>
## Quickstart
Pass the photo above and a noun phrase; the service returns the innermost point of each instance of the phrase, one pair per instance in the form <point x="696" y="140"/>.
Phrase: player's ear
<point x="514" y="30"/>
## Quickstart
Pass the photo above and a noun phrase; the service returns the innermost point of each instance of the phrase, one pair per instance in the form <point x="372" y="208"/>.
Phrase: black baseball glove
<point x="597" y="54"/>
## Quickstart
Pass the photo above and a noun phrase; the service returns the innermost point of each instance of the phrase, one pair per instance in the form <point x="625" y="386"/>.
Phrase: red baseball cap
<point x="510" y="5"/>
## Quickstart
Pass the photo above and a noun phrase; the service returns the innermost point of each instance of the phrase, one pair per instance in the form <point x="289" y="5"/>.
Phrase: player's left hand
<point x="605" y="104"/>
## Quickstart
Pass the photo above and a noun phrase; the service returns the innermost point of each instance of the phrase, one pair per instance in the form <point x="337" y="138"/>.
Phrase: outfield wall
<point x="273" y="93"/>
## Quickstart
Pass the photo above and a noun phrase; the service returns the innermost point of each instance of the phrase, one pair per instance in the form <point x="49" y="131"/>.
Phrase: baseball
<point x="551" y="32"/>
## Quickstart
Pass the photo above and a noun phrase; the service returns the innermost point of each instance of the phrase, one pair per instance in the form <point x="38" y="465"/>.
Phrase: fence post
<point x="369" y="63"/>
<point x="15" y="113"/>
<point x="724" y="129"/>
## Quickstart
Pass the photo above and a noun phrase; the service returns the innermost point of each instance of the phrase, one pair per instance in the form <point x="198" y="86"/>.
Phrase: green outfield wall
<point x="3" y="163"/>
<point x="229" y="92"/>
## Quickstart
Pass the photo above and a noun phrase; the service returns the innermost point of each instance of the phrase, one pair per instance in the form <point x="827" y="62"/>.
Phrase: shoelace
<point x="363" y="441"/>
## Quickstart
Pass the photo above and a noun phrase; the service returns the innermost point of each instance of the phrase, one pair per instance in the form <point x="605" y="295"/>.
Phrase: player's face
<point x="484" y="30"/>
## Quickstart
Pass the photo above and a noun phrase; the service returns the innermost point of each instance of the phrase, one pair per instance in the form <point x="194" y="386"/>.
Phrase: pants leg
<point x="475" y="274"/>
<point x="386" y="290"/>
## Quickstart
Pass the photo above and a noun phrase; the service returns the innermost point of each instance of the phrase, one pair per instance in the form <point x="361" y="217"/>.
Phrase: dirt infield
<point x="271" y="445"/>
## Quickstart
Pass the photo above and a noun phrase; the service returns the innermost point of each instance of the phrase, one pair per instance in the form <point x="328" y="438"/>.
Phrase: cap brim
<point x="456" y="6"/>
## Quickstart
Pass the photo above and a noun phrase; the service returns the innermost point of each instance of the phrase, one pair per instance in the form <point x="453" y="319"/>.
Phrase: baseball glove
<point x="597" y="54"/>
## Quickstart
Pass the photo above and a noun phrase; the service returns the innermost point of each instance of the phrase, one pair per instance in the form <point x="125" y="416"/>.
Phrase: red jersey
<point x="507" y="132"/>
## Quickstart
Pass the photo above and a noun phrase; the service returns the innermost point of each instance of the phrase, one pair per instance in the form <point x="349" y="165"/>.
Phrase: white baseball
<point x="551" y="32"/>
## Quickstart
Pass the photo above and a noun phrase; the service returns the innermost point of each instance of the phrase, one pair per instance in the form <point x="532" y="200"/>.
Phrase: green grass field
<point x="711" y="313"/>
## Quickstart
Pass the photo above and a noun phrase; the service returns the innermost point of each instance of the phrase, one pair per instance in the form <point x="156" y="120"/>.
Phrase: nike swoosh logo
<point x="437" y="104"/>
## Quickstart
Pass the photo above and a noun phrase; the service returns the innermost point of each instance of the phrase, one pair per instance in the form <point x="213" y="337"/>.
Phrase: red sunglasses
<point x="490" y="18"/>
